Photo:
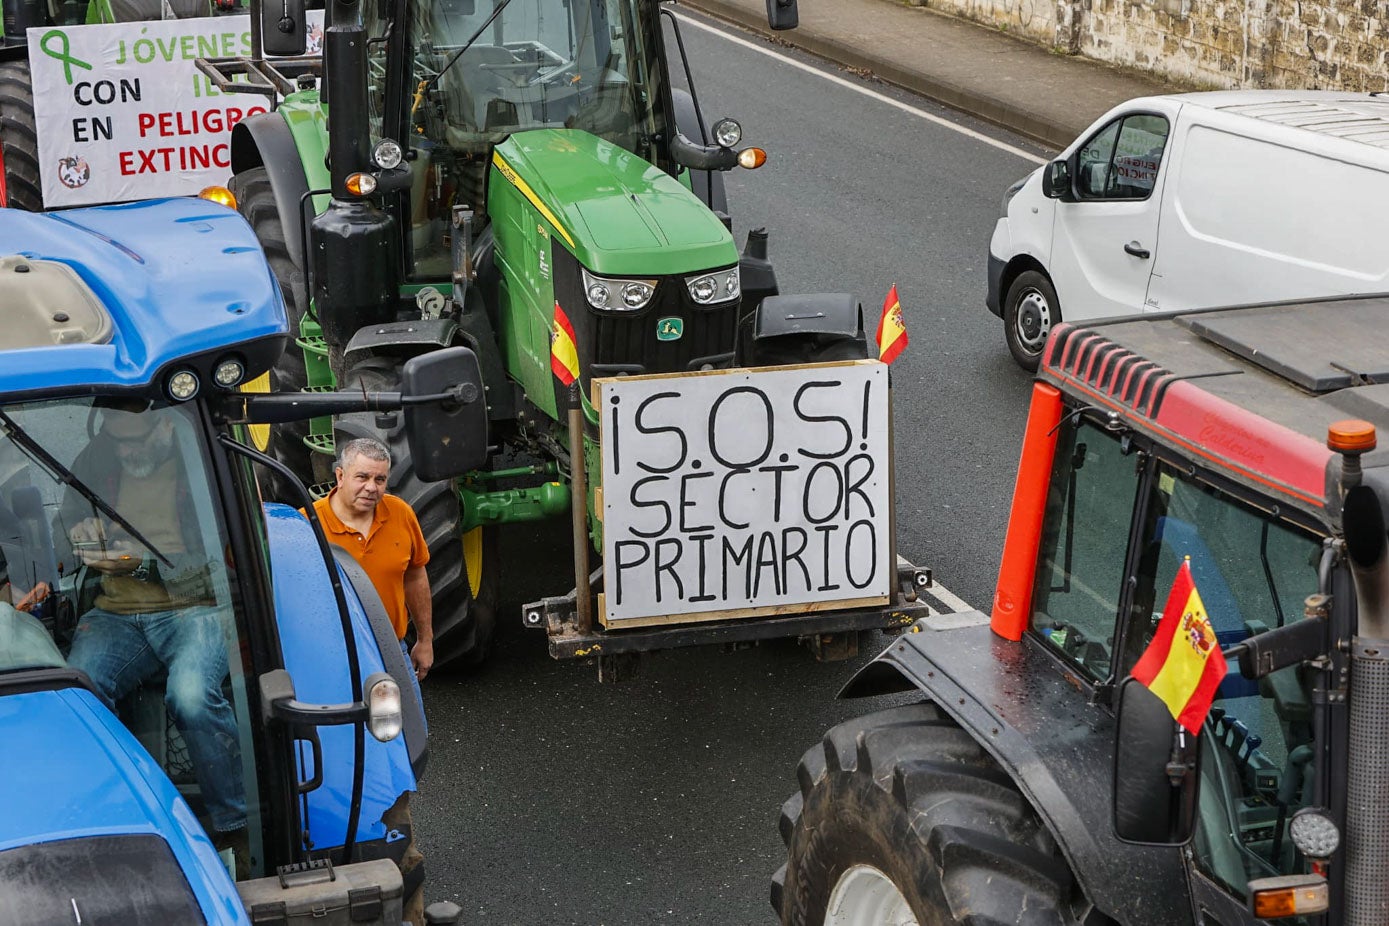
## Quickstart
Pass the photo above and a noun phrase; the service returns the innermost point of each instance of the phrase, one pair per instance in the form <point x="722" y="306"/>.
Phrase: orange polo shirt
<point x="392" y="545"/>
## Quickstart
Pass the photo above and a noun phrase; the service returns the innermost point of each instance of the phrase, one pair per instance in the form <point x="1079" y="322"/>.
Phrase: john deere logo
<point x="670" y="329"/>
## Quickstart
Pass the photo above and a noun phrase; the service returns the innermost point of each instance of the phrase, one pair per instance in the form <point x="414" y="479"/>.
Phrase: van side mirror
<point x="446" y="438"/>
<point x="782" y="14"/>
<point x="283" y="30"/>
<point x="1156" y="771"/>
<point x="1056" y="180"/>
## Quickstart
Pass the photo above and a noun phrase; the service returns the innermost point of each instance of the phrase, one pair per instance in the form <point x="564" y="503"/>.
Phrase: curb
<point x="971" y="102"/>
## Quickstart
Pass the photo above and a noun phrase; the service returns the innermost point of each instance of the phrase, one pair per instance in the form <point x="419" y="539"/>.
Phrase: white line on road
<point x="948" y="598"/>
<point x="859" y="88"/>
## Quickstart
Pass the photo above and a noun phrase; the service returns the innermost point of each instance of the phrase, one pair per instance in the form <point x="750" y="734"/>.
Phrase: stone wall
<point x="1307" y="44"/>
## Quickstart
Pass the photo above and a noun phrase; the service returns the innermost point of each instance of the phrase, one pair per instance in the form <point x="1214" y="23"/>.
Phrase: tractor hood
<point x="618" y="214"/>
<point x="89" y="819"/>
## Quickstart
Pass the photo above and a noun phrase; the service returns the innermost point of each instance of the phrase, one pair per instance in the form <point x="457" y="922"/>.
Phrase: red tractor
<point x="1031" y="779"/>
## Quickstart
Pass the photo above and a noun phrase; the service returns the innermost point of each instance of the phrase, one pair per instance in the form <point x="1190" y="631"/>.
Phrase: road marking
<point x="859" y="88"/>
<point x="948" y="598"/>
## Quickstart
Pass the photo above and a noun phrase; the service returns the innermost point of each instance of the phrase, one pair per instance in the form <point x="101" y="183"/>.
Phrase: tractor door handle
<point x="1137" y="250"/>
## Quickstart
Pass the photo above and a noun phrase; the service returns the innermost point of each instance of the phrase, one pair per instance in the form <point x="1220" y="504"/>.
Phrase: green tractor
<point x="521" y="177"/>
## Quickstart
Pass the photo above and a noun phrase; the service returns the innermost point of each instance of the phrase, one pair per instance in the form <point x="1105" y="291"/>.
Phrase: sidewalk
<point x="1048" y="97"/>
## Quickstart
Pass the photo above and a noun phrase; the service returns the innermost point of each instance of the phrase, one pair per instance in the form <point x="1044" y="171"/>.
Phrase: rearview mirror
<point x="1156" y="771"/>
<point x="283" y="30"/>
<point x="449" y="438"/>
<point x="782" y="14"/>
<point x="1056" y="180"/>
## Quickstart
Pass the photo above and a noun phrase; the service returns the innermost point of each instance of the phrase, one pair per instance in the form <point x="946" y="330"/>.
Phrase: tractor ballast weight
<point x="493" y="180"/>
<point x="1241" y="442"/>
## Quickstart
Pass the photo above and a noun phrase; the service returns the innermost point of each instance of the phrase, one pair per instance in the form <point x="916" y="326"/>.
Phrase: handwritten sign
<point x="744" y="490"/>
<point x="122" y="113"/>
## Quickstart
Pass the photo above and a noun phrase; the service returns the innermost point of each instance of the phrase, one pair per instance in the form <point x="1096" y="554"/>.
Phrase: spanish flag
<point x="1183" y="665"/>
<point x="892" y="331"/>
<point x="564" y="352"/>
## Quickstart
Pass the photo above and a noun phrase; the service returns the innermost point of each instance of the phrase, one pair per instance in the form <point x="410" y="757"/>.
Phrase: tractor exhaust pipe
<point x="1367" y="803"/>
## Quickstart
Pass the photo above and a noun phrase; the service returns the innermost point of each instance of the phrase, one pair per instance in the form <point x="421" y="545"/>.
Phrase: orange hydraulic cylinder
<point x="1013" y="595"/>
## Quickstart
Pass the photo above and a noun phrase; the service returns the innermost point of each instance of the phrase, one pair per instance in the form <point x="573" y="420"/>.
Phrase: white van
<point x="1189" y="201"/>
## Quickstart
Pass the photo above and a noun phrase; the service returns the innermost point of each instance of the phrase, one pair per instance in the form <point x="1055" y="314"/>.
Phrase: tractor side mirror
<point x="1056" y="180"/>
<point x="283" y="30"/>
<point x="1156" y="771"/>
<point x="447" y="437"/>
<point x="782" y="14"/>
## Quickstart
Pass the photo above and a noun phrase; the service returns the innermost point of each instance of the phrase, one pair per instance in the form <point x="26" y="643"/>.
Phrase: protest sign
<point x="744" y="492"/>
<point x="122" y="113"/>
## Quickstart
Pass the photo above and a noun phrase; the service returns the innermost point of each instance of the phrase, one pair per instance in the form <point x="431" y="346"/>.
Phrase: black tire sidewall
<point x="19" y="138"/>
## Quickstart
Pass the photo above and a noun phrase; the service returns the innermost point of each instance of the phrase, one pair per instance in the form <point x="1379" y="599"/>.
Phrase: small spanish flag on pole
<point x="564" y="351"/>
<point x="892" y="331"/>
<point x="1183" y="665"/>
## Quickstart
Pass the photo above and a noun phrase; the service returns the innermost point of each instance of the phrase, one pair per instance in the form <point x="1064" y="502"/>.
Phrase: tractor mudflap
<point x="826" y="631"/>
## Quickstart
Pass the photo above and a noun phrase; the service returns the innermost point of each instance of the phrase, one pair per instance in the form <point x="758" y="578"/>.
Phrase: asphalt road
<point x="553" y="799"/>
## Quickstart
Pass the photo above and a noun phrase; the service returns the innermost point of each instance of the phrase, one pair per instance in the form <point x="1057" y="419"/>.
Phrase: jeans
<point x="119" y="651"/>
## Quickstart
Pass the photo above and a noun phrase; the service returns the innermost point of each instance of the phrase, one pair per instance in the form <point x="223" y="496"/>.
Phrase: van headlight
<point x="719" y="286"/>
<point x="1012" y="191"/>
<point x="609" y="295"/>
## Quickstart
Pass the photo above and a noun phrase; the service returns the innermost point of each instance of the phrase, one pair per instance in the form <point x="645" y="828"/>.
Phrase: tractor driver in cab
<point x="150" y="608"/>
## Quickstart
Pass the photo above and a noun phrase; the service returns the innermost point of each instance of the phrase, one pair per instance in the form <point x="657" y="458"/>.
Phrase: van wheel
<point x="902" y="817"/>
<point x="1029" y="313"/>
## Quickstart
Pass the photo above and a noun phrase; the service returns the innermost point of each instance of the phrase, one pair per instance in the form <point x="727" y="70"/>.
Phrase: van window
<point x="1121" y="160"/>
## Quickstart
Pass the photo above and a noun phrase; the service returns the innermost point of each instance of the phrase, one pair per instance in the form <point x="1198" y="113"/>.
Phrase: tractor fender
<point x="706" y="184"/>
<point x="1032" y="715"/>
<point x="315" y="655"/>
<point x="264" y="140"/>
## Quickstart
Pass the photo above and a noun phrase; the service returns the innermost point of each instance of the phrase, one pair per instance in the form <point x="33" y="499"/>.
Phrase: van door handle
<point x="1137" y="250"/>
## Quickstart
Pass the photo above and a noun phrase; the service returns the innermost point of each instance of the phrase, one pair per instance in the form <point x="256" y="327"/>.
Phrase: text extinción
<point x="745" y="490"/>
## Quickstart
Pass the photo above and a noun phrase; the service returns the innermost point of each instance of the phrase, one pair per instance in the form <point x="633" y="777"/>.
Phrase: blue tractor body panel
<point x="72" y="771"/>
<point x="179" y="277"/>
<point x="316" y="656"/>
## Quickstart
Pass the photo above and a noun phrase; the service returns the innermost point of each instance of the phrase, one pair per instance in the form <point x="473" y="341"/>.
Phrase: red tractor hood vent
<point x="1084" y="356"/>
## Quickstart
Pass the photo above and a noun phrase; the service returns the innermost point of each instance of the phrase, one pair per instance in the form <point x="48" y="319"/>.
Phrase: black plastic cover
<point x="128" y="879"/>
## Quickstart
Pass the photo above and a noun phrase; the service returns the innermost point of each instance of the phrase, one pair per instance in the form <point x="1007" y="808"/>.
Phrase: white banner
<point x="123" y="114"/>
<point x="746" y="491"/>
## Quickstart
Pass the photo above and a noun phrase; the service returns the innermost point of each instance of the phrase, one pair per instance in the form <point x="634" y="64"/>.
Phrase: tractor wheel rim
<point x="864" y="896"/>
<point x="1033" y="321"/>
<point x="472" y="560"/>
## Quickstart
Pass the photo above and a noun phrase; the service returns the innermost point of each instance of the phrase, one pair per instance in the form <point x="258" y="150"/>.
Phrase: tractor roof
<point x="106" y="298"/>
<point x="1249" y="391"/>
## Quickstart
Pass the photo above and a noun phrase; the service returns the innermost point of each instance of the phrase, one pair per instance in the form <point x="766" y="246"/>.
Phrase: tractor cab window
<point x="1253" y="573"/>
<point x="539" y="64"/>
<point x="1080" y="569"/>
<point x="114" y="560"/>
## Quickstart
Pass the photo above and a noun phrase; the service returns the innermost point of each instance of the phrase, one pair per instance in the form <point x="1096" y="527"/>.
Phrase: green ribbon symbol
<point x="62" y="53"/>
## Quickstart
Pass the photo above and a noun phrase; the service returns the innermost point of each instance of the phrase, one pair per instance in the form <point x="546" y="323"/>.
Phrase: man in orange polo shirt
<point x="383" y="535"/>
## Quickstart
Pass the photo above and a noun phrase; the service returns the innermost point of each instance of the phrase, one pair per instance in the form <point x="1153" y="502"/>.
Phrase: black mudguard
<point x="1020" y="705"/>
<point x="264" y="140"/>
<point x="706" y="184"/>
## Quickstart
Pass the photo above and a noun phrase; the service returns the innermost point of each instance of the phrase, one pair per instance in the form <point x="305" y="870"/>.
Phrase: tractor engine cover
<point x="354" y="270"/>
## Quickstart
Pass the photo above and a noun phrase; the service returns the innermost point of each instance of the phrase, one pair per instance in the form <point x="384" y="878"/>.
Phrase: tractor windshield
<point x="114" y="560"/>
<point x="592" y="65"/>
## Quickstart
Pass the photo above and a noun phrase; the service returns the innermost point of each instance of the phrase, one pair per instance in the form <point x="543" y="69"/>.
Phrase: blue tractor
<point x="206" y="714"/>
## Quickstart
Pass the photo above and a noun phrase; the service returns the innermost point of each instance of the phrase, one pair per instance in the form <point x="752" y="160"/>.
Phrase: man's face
<point x="142" y="442"/>
<point x="362" y="482"/>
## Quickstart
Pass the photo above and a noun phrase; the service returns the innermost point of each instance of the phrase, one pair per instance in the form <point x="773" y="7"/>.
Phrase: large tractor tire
<point x="1030" y="311"/>
<point x="19" y="138"/>
<point x="902" y="818"/>
<point x="255" y="200"/>
<point x="464" y="571"/>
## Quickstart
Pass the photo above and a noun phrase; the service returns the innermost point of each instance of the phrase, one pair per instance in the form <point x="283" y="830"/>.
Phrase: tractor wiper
<point x="60" y="473"/>
<point x="428" y="84"/>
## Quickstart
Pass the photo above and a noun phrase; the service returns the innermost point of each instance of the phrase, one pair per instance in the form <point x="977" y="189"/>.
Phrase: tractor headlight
<point x="385" y="714"/>
<point x="229" y="372"/>
<point x="608" y="295"/>
<point x="183" y="385"/>
<point x="387" y="154"/>
<point x="727" y="133"/>
<point x="1314" y="833"/>
<point x="719" y="286"/>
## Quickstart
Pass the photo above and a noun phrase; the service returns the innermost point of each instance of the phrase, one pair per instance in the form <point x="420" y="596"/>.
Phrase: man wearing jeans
<point x="157" y="611"/>
<point x="383" y="535"/>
